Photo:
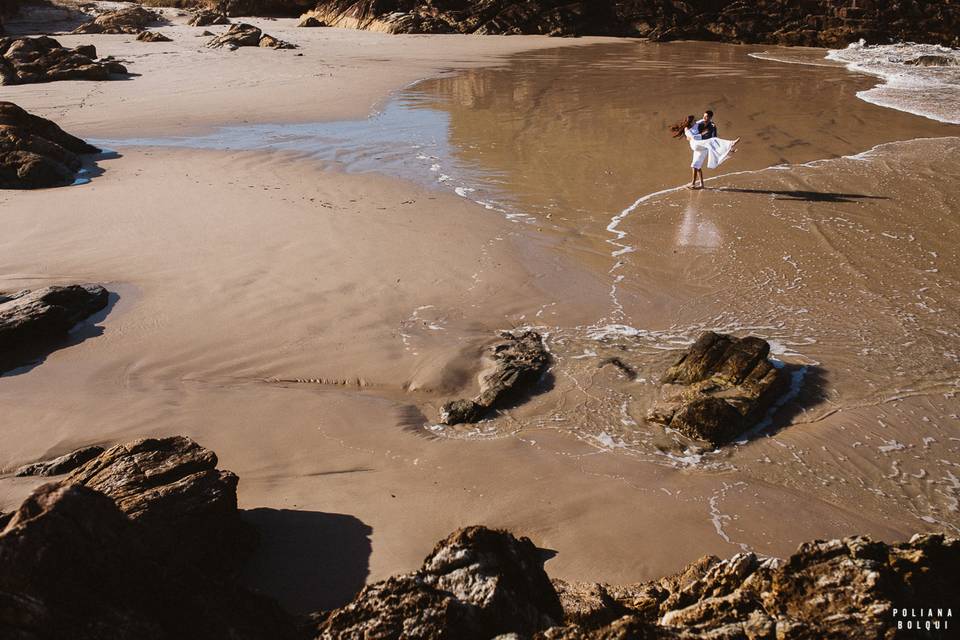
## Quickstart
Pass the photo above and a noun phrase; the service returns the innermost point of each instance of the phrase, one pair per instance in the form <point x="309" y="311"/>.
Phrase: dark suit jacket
<point x="711" y="131"/>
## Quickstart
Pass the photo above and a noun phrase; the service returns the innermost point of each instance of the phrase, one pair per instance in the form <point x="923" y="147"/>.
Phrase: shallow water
<point x="830" y="234"/>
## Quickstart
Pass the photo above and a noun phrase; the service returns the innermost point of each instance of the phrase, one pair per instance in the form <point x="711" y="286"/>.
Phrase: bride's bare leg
<point x="700" y="171"/>
<point x="733" y="147"/>
<point x="693" y="185"/>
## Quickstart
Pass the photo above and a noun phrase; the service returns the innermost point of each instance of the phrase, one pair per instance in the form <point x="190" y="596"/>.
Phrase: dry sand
<point x="306" y="323"/>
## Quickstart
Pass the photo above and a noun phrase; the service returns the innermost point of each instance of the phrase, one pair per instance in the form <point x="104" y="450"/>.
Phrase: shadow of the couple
<point x="804" y="196"/>
<point x="308" y="560"/>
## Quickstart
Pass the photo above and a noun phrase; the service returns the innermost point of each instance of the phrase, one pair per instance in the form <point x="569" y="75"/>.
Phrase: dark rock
<point x="152" y="36"/>
<point x="238" y="35"/>
<point x="32" y="318"/>
<point x="518" y="362"/>
<point x="310" y="21"/>
<point x="477" y="583"/>
<point x="43" y="59"/>
<point x="72" y="565"/>
<point x="172" y="488"/>
<point x="276" y="8"/>
<point x="719" y="388"/>
<point x="63" y="464"/>
<point x="932" y="61"/>
<point x="127" y="20"/>
<point x="87" y="50"/>
<point x="205" y="18"/>
<point x="824" y="23"/>
<point x="272" y="43"/>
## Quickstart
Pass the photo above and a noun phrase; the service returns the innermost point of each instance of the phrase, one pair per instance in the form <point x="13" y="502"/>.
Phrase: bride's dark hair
<point x="678" y="128"/>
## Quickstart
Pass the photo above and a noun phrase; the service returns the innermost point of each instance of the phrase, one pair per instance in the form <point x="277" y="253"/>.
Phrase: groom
<point x="710" y="131"/>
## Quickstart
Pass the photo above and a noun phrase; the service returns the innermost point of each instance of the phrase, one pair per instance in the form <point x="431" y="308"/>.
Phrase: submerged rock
<point x="30" y="319"/>
<point x="60" y="465"/>
<point x="205" y="18"/>
<point x="477" y="583"/>
<point x="518" y="362"/>
<point x="719" y="388"/>
<point x="172" y="488"/>
<point x="43" y="59"/>
<point x="152" y="36"/>
<point x="72" y="565"/>
<point x="127" y="20"/>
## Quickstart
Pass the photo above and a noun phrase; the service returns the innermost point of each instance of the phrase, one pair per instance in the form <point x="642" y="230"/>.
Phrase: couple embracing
<point x="706" y="145"/>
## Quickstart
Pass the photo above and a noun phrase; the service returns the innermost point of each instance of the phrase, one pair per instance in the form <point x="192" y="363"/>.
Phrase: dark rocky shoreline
<point x="145" y="541"/>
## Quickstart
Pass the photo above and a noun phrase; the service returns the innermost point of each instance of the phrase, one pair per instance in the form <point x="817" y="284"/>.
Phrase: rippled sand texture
<point x="306" y="324"/>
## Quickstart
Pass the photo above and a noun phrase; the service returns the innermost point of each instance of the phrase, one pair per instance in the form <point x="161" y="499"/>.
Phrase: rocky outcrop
<point x="477" y="583"/>
<point x="516" y="364"/>
<point x="205" y="18"/>
<point x="43" y="59"/>
<point x="35" y="153"/>
<point x="152" y="36"/>
<point x="73" y="565"/>
<point x="127" y="20"/>
<point x="830" y="23"/>
<point x="247" y="35"/>
<point x="828" y="589"/>
<point x="32" y="319"/>
<point x="278" y="8"/>
<point x="719" y="388"/>
<point x="172" y="488"/>
<point x="60" y="465"/>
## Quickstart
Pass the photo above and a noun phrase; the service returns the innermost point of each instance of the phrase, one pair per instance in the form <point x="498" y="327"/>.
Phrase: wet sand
<point x="305" y="318"/>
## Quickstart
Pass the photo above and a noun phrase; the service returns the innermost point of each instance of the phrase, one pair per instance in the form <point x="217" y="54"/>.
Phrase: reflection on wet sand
<point x="696" y="231"/>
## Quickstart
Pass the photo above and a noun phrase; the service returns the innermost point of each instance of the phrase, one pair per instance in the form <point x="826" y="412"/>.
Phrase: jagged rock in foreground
<point x="152" y="36"/>
<point x="72" y="565"/>
<point x="205" y="18"/>
<point x="518" y="361"/>
<point x="247" y="35"/>
<point x="827" y="590"/>
<point x="35" y="153"/>
<point x="33" y="319"/>
<point x="127" y="20"/>
<point x="719" y="388"/>
<point x="828" y="23"/>
<point x="475" y="584"/>
<point x="172" y="488"/>
<point x="43" y="59"/>
<point x="60" y="465"/>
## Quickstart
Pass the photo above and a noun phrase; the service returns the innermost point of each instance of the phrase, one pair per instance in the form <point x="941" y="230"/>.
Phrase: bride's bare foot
<point x="733" y="147"/>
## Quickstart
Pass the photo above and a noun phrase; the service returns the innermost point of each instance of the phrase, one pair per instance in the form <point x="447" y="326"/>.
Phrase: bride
<point x="715" y="151"/>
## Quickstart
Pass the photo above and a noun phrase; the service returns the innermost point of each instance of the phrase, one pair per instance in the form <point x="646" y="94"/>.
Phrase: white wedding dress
<point x="715" y="151"/>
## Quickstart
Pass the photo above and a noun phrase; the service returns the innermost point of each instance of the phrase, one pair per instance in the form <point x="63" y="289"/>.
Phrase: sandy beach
<point x="302" y="301"/>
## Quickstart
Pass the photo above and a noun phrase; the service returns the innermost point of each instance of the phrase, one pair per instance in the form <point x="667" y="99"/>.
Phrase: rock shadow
<point x="807" y="388"/>
<point x="23" y="360"/>
<point x="806" y="196"/>
<point x="308" y="560"/>
<point x="91" y="168"/>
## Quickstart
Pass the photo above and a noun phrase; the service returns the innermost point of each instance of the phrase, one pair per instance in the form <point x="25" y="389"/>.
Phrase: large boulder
<point x="126" y="20"/>
<point x="34" y="319"/>
<point x="719" y="388"/>
<point x="43" y="59"/>
<point x="517" y="363"/>
<point x="247" y="35"/>
<point x="475" y="584"/>
<point x="72" y="565"/>
<point x="172" y="488"/>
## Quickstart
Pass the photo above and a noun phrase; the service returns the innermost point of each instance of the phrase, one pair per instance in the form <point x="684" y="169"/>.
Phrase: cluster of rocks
<point x="719" y="388"/>
<point x="31" y="319"/>
<point x="36" y="153"/>
<point x="247" y="35"/>
<point x="516" y="364"/>
<point x="43" y="59"/>
<point x="278" y="8"/>
<point x="126" y="20"/>
<point x="830" y="23"/>
<point x="144" y="540"/>
<point x="205" y="18"/>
